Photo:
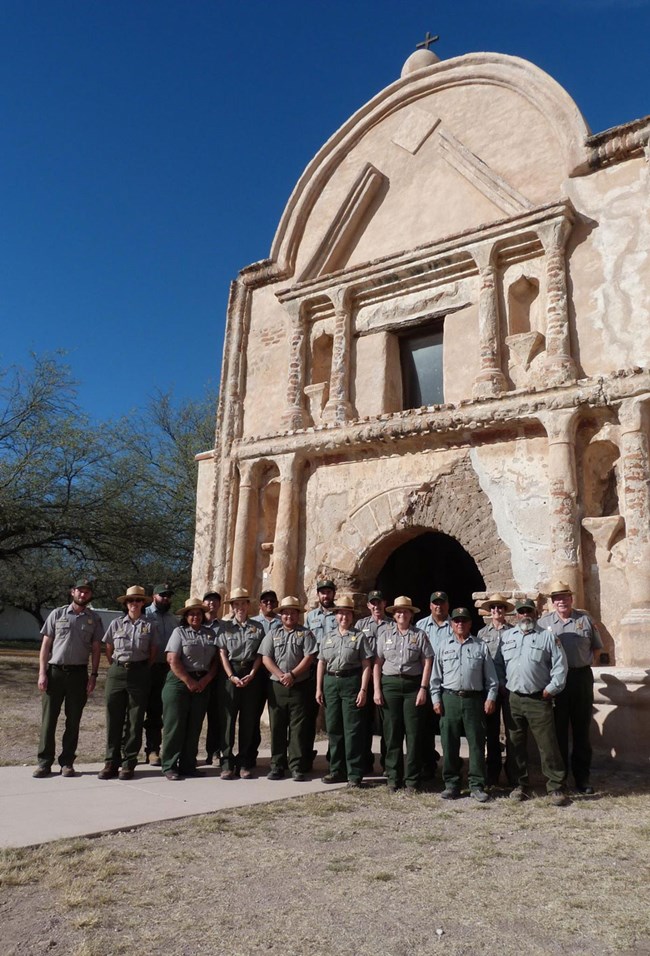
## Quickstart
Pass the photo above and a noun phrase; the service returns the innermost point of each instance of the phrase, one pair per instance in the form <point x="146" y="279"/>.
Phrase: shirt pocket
<point x="537" y="655"/>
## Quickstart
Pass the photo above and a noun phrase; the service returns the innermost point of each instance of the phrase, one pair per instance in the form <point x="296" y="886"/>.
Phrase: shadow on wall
<point x="621" y="732"/>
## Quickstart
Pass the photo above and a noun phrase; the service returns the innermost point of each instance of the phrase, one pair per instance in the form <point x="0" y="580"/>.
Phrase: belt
<point x="241" y="667"/>
<point x="538" y="695"/>
<point x="463" y="693"/>
<point x="70" y="667"/>
<point x="129" y="664"/>
<point x="348" y="673"/>
<point x="197" y="675"/>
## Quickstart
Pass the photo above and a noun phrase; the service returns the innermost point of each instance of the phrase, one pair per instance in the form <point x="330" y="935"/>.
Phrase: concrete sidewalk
<point x="56" y="807"/>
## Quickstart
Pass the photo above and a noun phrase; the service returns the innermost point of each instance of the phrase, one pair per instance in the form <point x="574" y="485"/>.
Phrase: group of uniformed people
<point x="166" y="672"/>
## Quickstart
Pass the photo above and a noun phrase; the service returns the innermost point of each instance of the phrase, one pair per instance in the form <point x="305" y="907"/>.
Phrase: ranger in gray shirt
<point x="321" y="620"/>
<point x="536" y="670"/>
<point x="71" y="635"/>
<point x="288" y="654"/>
<point x="574" y="705"/>
<point x="463" y="675"/>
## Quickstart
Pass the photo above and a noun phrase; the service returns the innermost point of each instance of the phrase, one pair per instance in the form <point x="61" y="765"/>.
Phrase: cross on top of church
<point x="426" y="43"/>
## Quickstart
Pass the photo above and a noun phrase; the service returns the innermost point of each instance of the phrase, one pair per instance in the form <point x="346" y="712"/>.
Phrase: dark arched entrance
<point x="432" y="561"/>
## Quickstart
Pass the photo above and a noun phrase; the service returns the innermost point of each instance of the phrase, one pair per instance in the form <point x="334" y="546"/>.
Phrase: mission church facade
<point x="440" y="377"/>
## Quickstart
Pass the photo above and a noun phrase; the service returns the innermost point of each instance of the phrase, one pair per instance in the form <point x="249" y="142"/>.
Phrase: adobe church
<point x="440" y="377"/>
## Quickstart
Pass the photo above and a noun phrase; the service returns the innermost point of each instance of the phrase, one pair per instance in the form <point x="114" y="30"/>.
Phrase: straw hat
<point x="192" y="604"/>
<point x="496" y="599"/>
<point x="344" y="603"/>
<point x="237" y="594"/>
<point x="133" y="592"/>
<point x="559" y="587"/>
<point x="289" y="603"/>
<point x="403" y="603"/>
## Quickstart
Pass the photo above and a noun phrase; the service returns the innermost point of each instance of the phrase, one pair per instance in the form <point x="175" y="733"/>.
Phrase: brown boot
<point x="108" y="772"/>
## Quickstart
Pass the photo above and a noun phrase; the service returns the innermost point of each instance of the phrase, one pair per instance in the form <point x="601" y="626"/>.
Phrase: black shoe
<point x="172" y="775"/>
<point x="588" y="790"/>
<point x="208" y="761"/>
<point x="354" y="785"/>
<point x="275" y="775"/>
<point x="299" y="776"/>
<point x="334" y="778"/>
<point x="41" y="772"/>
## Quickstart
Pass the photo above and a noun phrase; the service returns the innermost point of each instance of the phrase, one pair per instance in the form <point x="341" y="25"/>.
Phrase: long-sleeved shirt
<point x="463" y="665"/>
<point x="534" y="662"/>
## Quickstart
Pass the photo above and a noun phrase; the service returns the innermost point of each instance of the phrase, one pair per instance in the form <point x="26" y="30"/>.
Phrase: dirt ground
<point x="336" y="873"/>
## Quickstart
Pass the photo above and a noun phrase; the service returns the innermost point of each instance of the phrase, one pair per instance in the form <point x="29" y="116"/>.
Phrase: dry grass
<point x="338" y="873"/>
<point x="347" y="873"/>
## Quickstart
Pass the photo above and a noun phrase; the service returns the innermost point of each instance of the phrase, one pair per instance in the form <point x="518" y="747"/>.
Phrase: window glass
<point x="422" y="378"/>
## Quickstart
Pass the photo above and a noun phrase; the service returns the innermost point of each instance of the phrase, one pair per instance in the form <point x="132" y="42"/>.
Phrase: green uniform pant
<point x="183" y="715"/>
<point x="127" y="692"/>
<point x="291" y="722"/>
<point x="344" y="722"/>
<point x="242" y="702"/>
<point x="66" y="685"/>
<point x="153" y="713"/>
<point x="214" y="742"/>
<point x="463" y="717"/>
<point x="402" y="719"/>
<point x="535" y="713"/>
<point x="573" y="711"/>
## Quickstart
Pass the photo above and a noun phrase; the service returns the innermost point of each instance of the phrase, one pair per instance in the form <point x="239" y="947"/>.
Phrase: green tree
<point x="109" y="499"/>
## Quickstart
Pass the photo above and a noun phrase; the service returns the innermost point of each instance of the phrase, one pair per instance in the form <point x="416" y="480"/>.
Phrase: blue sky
<point x="149" y="147"/>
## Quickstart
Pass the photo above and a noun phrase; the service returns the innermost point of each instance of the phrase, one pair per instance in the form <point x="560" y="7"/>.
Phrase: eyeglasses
<point x="135" y="600"/>
<point x="268" y="601"/>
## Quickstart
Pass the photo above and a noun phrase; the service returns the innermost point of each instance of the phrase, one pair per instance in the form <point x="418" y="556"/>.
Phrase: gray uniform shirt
<point x="434" y="631"/>
<point x="534" y="662"/>
<point x="492" y="637"/>
<point x="165" y="623"/>
<point x="578" y="635"/>
<point x="268" y="625"/>
<point x="73" y="635"/>
<point x="320" y="622"/>
<point x="403" y="653"/>
<point x="288" y="648"/>
<point x="241" y="642"/>
<point x="197" y="649"/>
<point x="130" y="640"/>
<point x="370" y="629"/>
<point x="344" y="652"/>
<point x="465" y="665"/>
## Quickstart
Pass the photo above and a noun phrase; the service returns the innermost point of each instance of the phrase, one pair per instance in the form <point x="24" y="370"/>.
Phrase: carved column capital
<point x="560" y="425"/>
<point x="633" y="413"/>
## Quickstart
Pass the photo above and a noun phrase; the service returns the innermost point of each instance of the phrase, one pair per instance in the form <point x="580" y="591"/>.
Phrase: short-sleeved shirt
<point x="579" y="636"/>
<point x="130" y="640"/>
<point x="463" y="665"/>
<point x="197" y="649"/>
<point x="241" y="642"/>
<point x="72" y="634"/>
<point x="403" y="653"/>
<point x="271" y="624"/>
<point x="288" y="648"/>
<point x="370" y="629"/>
<point x="165" y="623"/>
<point x="534" y="662"/>
<point x="344" y="652"/>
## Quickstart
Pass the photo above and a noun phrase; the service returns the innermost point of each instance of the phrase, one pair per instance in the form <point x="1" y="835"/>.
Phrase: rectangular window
<point x="421" y="360"/>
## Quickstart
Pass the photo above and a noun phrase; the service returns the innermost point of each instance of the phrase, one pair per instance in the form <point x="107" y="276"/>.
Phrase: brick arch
<point x="453" y="503"/>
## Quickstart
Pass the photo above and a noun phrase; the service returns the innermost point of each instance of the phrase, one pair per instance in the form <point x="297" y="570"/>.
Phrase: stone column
<point x="635" y="480"/>
<point x="295" y="415"/>
<point x="338" y="407"/>
<point x="563" y="505"/>
<point x="558" y="365"/>
<point x="243" y="552"/>
<point x="287" y="527"/>
<point x="490" y="379"/>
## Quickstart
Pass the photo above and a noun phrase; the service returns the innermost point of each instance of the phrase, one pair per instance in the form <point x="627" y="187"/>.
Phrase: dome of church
<point x="419" y="60"/>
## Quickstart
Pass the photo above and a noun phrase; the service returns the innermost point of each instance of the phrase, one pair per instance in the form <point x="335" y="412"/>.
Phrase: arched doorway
<point x="432" y="561"/>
